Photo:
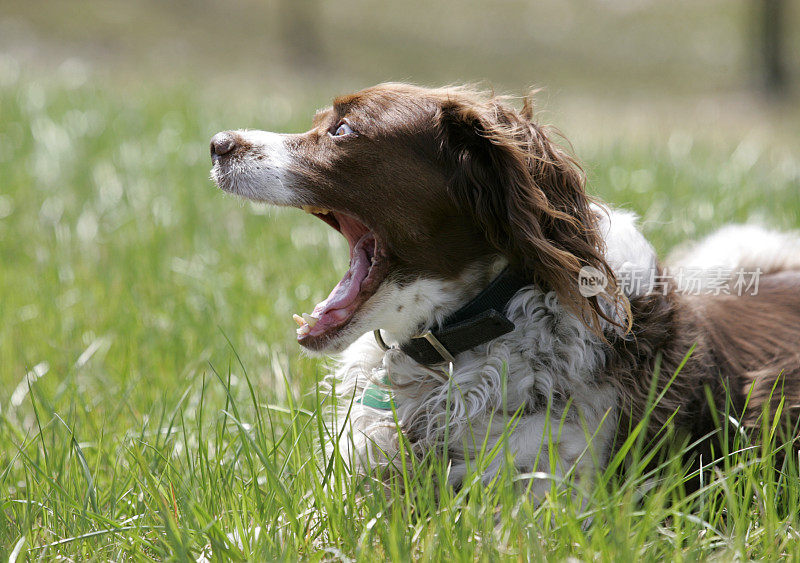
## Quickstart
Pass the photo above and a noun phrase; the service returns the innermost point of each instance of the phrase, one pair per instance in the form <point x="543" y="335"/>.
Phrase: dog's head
<point x="430" y="188"/>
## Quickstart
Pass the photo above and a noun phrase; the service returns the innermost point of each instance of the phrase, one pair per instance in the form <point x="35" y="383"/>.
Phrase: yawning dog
<point x="484" y="283"/>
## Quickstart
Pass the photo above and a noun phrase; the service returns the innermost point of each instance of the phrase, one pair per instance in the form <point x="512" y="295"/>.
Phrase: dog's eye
<point x="343" y="129"/>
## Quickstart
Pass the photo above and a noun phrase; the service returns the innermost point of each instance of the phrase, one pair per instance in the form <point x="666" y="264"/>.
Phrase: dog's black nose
<point x="222" y="143"/>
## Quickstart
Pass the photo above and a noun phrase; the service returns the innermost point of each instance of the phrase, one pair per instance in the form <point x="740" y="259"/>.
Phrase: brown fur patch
<point x="740" y="343"/>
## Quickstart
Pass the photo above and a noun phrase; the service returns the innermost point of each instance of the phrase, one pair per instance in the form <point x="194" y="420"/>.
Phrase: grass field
<point x="153" y="403"/>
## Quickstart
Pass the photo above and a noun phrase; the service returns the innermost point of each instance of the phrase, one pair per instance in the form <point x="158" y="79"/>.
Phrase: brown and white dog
<point x="441" y="191"/>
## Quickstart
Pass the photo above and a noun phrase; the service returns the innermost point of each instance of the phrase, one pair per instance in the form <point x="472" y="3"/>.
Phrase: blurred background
<point x="609" y="67"/>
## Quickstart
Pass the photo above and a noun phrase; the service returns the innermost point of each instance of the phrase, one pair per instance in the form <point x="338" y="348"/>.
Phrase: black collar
<point x="479" y="321"/>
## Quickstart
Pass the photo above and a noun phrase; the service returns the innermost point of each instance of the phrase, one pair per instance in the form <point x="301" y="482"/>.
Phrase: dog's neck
<point x="479" y="321"/>
<point x="427" y="303"/>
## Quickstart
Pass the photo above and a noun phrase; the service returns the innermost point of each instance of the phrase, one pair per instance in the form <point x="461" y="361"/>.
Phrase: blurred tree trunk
<point x="299" y="28"/>
<point x="771" y="41"/>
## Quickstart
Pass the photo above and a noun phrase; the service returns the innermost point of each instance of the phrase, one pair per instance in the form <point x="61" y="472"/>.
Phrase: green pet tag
<point x="377" y="397"/>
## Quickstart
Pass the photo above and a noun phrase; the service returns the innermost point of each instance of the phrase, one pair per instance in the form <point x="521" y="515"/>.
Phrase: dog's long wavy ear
<point x="528" y="195"/>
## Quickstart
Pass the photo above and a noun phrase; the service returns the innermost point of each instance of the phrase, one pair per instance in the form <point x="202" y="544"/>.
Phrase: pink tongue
<point x="335" y="309"/>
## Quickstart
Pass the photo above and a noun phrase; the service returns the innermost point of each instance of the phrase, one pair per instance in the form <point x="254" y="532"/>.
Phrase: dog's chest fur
<point x="543" y="371"/>
<point x="539" y="380"/>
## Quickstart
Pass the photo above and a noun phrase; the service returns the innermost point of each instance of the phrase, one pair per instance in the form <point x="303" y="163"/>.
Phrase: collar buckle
<point x="380" y="341"/>
<point x="438" y="346"/>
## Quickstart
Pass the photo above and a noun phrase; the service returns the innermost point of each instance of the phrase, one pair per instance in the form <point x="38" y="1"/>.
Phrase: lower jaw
<point x="327" y="341"/>
<point x="334" y="339"/>
<point x="338" y="337"/>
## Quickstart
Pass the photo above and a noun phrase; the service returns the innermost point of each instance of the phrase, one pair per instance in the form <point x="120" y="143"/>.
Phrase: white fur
<point x="547" y="366"/>
<point x="628" y="252"/>
<point x="260" y="173"/>
<point x="732" y="248"/>
<point x="401" y="310"/>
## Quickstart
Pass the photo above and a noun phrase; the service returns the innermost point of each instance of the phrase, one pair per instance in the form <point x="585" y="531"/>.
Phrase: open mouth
<point x="366" y="272"/>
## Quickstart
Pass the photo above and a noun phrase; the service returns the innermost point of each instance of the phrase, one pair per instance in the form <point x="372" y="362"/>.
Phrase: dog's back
<point x="753" y="330"/>
<point x="734" y="302"/>
<point x="755" y="340"/>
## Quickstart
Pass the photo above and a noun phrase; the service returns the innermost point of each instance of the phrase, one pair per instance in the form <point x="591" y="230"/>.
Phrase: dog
<point x="485" y="286"/>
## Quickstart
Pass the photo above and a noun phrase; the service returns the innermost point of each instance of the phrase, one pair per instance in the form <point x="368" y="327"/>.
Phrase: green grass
<point x="153" y="401"/>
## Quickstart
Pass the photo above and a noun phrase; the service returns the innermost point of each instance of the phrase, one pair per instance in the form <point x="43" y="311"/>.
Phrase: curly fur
<point x="547" y="366"/>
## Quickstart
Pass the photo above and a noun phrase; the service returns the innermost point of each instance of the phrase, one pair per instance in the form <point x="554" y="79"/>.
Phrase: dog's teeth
<point x="303" y="330"/>
<point x="310" y="321"/>
<point x="299" y="320"/>
<point x="314" y="209"/>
